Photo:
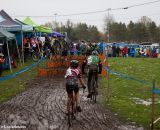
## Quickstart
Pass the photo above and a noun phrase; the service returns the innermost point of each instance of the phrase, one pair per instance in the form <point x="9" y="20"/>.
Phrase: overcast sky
<point x="61" y="7"/>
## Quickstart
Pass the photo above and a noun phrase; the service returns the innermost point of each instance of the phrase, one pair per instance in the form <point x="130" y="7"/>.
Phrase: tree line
<point x="144" y="30"/>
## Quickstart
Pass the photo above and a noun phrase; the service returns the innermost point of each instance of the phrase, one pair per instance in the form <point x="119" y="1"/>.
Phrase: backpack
<point x="72" y="77"/>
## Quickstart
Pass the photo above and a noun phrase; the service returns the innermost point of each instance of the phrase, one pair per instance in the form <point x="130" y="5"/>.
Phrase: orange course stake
<point x="104" y="63"/>
<point x="101" y="56"/>
<point x="42" y="72"/>
<point x="104" y="72"/>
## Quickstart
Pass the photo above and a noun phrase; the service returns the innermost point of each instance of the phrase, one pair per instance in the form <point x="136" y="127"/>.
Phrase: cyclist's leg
<point x="89" y="82"/>
<point x="96" y="79"/>
<point x="77" y="99"/>
<point x="77" y="96"/>
<point x="69" y="99"/>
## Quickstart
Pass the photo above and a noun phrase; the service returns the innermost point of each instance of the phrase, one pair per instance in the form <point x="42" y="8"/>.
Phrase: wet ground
<point x="43" y="106"/>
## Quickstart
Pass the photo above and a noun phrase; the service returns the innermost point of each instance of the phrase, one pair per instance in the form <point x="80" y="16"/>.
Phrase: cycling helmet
<point x="93" y="43"/>
<point x="1" y="54"/>
<point x="95" y="53"/>
<point x="74" y="63"/>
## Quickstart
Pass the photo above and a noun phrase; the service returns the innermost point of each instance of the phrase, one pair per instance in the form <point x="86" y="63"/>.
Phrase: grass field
<point x="130" y="99"/>
<point x="10" y="87"/>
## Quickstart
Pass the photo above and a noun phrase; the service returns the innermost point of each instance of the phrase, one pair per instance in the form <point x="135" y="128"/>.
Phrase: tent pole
<point x="18" y="53"/>
<point x="22" y="47"/>
<point x="9" y="57"/>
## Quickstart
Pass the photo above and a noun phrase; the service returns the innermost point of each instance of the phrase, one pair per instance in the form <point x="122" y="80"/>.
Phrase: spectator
<point x="78" y="48"/>
<point x="83" y="48"/>
<point x="109" y="51"/>
<point x="1" y="62"/>
<point x="26" y="47"/>
<point x="100" y="45"/>
<point x="124" y="52"/>
<point x="117" y="51"/>
<point x="114" y="50"/>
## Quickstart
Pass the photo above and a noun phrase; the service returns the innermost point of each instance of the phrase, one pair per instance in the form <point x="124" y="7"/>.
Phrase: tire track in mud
<point x="43" y="106"/>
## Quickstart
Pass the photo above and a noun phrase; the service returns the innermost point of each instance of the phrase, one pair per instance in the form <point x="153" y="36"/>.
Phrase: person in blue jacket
<point x="101" y="45"/>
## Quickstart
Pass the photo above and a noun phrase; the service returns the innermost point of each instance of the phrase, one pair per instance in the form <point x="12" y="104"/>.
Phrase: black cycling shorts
<point x="71" y="88"/>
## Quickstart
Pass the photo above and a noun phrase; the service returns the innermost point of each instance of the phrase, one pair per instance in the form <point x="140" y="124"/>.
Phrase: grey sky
<point x="50" y="7"/>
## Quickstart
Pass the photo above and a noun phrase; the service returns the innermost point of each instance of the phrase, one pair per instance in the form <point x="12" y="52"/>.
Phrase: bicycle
<point x="38" y="54"/>
<point x="73" y="107"/>
<point x="94" y="86"/>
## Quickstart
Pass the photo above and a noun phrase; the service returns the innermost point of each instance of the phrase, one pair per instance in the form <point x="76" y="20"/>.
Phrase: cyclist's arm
<point x="81" y="80"/>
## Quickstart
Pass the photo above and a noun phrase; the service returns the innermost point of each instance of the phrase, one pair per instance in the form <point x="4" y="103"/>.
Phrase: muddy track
<point x="43" y="106"/>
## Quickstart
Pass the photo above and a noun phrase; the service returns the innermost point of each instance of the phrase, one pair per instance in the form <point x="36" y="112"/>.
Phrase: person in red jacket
<point x="125" y="51"/>
<point x="2" y="59"/>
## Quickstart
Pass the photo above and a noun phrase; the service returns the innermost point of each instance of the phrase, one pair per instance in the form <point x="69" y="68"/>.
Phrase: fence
<point x="57" y="65"/>
<point x="22" y="71"/>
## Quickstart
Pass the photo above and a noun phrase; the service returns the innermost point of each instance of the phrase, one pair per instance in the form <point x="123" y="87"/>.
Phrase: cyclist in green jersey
<point x="94" y="64"/>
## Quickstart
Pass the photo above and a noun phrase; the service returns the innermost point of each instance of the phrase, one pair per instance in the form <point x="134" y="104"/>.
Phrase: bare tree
<point x="108" y="19"/>
<point x="145" y="20"/>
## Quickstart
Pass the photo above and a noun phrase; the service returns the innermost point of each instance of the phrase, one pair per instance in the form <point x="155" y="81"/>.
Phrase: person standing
<point x="2" y="59"/>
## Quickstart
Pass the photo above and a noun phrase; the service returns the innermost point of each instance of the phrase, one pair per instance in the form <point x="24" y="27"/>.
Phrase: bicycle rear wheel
<point x="35" y="57"/>
<point x="93" y="90"/>
<point x="95" y="93"/>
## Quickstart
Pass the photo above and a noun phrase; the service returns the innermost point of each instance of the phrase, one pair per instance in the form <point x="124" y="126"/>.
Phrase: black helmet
<point x="95" y="53"/>
<point x="74" y="63"/>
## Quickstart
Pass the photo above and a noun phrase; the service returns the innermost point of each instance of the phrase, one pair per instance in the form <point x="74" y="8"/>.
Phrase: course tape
<point x="21" y="71"/>
<point x="156" y="91"/>
<point x="127" y="77"/>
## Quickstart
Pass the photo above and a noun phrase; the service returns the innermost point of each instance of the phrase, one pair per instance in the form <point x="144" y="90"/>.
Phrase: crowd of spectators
<point x="127" y="51"/>
<point x="84" y="48"/>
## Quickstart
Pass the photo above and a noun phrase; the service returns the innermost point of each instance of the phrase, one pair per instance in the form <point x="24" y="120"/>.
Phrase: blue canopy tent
<point x="6" y="38"/>
<point x="56" y="34"/>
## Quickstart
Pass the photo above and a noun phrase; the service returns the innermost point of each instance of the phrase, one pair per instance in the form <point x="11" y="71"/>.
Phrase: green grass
<point x="11" y="87"/>
<point x="124" y="90"/>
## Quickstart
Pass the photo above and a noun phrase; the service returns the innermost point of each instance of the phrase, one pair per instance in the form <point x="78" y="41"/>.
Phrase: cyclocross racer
<point x="94" y="64"/>
<point x="73" y="74"/>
